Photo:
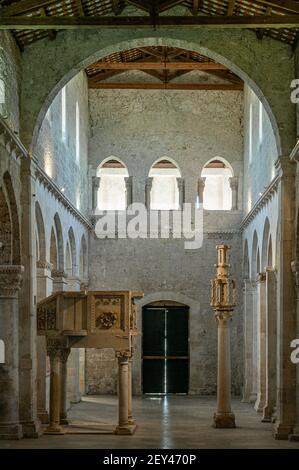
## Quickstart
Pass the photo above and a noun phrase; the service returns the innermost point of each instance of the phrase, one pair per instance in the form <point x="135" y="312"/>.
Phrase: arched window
<point x="217" y="193"/>
<point x="164" y="188"/>
<point x="112" y="188"/>
<point x="2" y="352"/>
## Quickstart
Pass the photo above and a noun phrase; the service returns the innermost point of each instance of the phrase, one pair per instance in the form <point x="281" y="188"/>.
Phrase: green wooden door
<point x="165" y="349"/>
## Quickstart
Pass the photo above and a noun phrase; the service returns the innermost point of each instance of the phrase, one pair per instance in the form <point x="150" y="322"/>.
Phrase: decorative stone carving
<point x="106" y="320"/>
<point x="10" y="280"/>
<point x="43" y="264"/>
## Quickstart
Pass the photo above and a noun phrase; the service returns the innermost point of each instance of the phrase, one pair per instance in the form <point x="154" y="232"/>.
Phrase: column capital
<point x="43" y="264"/>
<point x="10" y="279"/>
<point x="64" y="354"/>
<point x="123" y="356"/>
<point x="58" y="274"/>
<point x="261" y="277"/>
<point x="201" y="182"/>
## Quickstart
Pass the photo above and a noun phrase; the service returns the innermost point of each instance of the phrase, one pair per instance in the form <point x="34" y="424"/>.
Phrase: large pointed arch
<point x="41" y="239"/>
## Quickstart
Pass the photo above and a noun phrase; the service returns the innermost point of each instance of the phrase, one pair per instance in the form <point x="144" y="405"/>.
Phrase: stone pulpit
<point x="93" y="319"/>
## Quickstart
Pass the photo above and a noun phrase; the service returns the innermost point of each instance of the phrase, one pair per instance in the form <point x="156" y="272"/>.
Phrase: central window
<point x="164" y="191"/>
<point x="217" y="191"/>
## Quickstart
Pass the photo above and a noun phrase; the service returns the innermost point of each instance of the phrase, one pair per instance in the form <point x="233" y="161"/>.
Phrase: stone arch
<point x="265" y="244"/>
<point x="107" y="159"/>
<point x="59" y="238"/>
<point x="255" y="256"/>
<point x="12" y="204"/>
<point x="171" y="160"/>
<point x="223" y="160"/>
<point x="83" y="258"/>
<point x="248" y="63"/>
<point x="41" y="239"/>
<point x="53" y="250"/>
<point x="73" y="251"/>
<point x="246" y="268"/>
<point x="169" y="296"/>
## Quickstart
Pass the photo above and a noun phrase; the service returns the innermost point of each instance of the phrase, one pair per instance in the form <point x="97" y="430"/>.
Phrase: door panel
<point x="177" y="375"/>
<point x="153" y="376"/>
<point x="177" y="331"/>
<point x="165" y="344"/>
<point x="153" y="326"/>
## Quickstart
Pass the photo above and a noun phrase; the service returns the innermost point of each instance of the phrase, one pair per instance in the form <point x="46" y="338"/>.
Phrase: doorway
<point x="165" y="346"/>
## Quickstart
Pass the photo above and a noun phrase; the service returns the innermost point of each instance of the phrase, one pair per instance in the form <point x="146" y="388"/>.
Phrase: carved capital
<point x="261" y="277"/>
<point x="10" y="280"/>
<point x="64" y="354"/>
<point x="223" y="318"/>
<point x="58" y="274"/>
<point x="149" y="183"/>
<point x="123" y="356"/>
<point x="233" y="182"/>
<point x="43" y="264"/>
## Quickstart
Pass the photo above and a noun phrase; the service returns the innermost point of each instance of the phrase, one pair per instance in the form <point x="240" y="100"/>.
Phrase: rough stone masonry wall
<point x="10" y="73"/>
<point x="191" y="128"/>
<point x="58" y="157"/>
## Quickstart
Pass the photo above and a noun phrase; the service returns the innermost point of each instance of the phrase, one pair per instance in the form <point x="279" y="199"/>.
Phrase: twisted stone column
<point x="10" y="283"/>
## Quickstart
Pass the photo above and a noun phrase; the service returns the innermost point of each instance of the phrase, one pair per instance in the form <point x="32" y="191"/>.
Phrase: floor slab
<point x="163" y="422"/>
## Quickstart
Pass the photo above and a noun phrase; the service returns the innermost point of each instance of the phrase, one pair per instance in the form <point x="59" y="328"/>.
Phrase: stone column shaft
<point x="124" y="427"/>
<point x="129" y="190"/>
<point x="224" y="418"/>
<point x="201" y="188"/>
<point x="181" y="188"/>
<point x="233" y="181"/>
<point x="130" y="409"/>
<point x="271" y="311"/>
<point x="148" y="188"/>
<point x="10" y="282"/>
<point x="27" y="311"/>
<point x="63" y="385"/>
<point x="95" y="188"/>
<point x="248" y="340"/>
<point x="261" y="392"/>
<point x="55" y="393"/>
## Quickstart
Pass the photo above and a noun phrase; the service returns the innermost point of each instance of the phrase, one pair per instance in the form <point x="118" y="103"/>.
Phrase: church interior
<point x="116" y="341"/>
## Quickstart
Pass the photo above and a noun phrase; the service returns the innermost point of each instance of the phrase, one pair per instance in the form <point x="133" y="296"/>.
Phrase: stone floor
<point x="172" y="422"/>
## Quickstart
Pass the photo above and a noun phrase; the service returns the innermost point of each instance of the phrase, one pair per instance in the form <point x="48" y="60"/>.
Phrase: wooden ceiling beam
<point x="137" y="65"/>
<point x="231" y="7"/>
<point x="93" y="22"/>
<point x="24" y="6"/>
<point x="139" y="4"/>
<point x="288" y="5"/>
<point x="166" y="86"/>
<point x="167" y="4"/>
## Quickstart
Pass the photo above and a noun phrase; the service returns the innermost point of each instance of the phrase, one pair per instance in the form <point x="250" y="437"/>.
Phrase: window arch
<point x="217" y="193"/>
<point x="164" y="188"/>
<point x="112" y="188"/>
<point x="2" y="352"/>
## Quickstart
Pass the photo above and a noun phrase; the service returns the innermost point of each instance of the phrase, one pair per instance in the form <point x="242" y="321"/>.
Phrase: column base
<point x="64" y="421"/>
<point x="253" y="398"/>
<point x="55" y="430"/>
<point x="267" y="414"/>
<point x="32" y="429"/>
<point x="295" y="435"/>
<point x="11" y="431"/>
<point x="43" y="416"/>
<point x="259" y="406"/>
<point x="131" y="421"/>
<point x="282" y="432"/>
<point x="224" y="420"/>
<point x="126" y="430"/>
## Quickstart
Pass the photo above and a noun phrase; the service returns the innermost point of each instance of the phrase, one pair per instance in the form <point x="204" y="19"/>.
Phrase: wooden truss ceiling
<point x="43" y="17"/>
<point x="163" y="63"/>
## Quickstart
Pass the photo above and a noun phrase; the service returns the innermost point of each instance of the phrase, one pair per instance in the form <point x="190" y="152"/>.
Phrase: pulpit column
<point x="63" y="382"/>
<point x="55" y="390"/>
<point x="124" y="427"/>
<point x="130" y="410"/>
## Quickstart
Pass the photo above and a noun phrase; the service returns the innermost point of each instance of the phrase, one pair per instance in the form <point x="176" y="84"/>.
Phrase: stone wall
<point x="10" y="73"/>
<point x="56" y="154"/>
<point x="190" y="128"/>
